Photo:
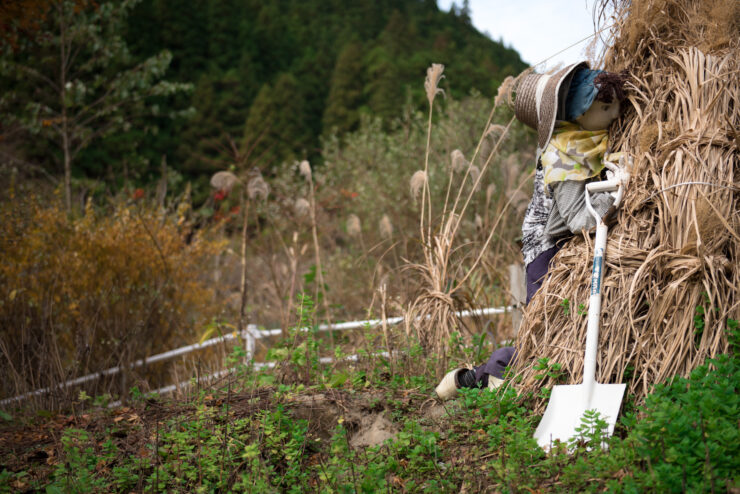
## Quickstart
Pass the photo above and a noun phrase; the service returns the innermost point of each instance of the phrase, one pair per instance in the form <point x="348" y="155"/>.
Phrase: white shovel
<point x="569" y="402"/>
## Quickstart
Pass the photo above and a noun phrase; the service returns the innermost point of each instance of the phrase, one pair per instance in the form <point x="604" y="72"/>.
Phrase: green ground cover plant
<point x="300" y="436"/>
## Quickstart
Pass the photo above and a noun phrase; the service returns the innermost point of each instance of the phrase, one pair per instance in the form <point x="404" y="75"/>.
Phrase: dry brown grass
<point x="677" y="242"/>
<point x="448" y="276"/>
<point x="85" y="294"/>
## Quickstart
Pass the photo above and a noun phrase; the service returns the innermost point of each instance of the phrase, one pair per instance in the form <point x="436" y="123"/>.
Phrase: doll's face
<point x="599" y="115"/>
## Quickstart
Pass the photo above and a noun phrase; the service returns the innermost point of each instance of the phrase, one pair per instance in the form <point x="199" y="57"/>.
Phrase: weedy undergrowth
<point x="256" y="439"/>
<point x="82" y="294"/>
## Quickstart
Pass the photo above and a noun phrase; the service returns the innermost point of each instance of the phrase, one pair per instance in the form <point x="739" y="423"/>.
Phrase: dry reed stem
<point x="476" y="185"/>
<point x="676" y="244"/>
<point x="243" y="283"/>
<point x="493" y="231"/>
<point x="434" y="75"/>
<point x="433" y="310"/>
<point x="305" y="170"/>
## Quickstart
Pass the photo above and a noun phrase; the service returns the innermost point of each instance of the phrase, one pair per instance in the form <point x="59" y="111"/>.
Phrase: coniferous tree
<point x="222" y="101"/>
<point x="276" y="122"/>
<point x="386" y="68"/>
<point x="344" y="58"/>
<point x="346" y="94"/>
<point x="313" y="71"/>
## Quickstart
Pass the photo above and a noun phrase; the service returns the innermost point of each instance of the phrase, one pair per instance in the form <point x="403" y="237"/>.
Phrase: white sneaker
<point x="447" y="387"/>
<point x="494" y="383"/>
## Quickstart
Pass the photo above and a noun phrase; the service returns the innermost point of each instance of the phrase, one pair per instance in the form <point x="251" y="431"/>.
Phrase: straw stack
<point x="672" y="278"/>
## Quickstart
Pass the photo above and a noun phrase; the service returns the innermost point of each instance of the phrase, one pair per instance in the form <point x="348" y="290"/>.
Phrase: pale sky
<point x="537" y="29"/>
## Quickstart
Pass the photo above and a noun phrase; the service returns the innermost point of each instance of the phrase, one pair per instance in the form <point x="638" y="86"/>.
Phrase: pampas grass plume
<point x="305" y="169"/>
<point x="385" y="227"/>
<point x="417" y="182"/>
<point x="258" y="189"/>
<point x="301" y="207"/>
<point x="512" y="169"/>
<point x="485" y="148"/>
<point x="459" y="163"/>
<point x="353" y="225"/>
<point x="478" y="222"/>
<point x="223" y="180"/>
<point x="504" y="92"/>
<point x="490" y="190"/>
<point x="434" y="75"/>
<point x="474" y="174"/>
<point x="495" y="130"/>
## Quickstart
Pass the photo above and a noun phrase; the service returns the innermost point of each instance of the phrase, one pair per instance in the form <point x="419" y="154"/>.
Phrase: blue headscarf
<point x="581" y="93"/>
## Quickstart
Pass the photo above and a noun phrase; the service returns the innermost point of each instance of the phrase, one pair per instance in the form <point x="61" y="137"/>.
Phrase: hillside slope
<point x="285" y="72"/>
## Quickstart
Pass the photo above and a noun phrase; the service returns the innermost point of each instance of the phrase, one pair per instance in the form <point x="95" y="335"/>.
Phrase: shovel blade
<point x="567" y="406"/>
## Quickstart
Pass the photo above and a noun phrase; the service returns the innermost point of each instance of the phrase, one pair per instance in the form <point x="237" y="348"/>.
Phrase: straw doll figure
<point x="571" y="111"/>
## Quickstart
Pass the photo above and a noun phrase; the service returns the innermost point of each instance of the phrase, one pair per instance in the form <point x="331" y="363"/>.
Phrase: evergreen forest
<point x="254" y="83"/>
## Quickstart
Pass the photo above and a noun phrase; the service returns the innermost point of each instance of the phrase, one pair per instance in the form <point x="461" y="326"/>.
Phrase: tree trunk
<point x="67" y="163"/>
<point x="63" y="97"/>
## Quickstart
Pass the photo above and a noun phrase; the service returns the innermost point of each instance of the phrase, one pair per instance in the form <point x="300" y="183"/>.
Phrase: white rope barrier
<point x="255" y="365"/>
<point x="250" y="335"/>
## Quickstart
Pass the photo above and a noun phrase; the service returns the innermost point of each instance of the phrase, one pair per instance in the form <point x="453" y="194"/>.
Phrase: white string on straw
<point x="574" y="44"/>
<point x="693" y="183"/>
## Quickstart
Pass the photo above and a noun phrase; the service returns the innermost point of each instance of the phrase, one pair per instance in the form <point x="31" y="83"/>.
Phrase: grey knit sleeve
<point x="569" y="214"/>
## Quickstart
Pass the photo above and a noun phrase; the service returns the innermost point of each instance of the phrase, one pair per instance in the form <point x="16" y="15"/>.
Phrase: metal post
<point x="251" y="340"/>
<point x="517" y="294"/>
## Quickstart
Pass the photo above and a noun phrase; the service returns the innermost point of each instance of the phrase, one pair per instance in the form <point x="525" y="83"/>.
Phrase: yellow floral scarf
<point x="573" y="153"/>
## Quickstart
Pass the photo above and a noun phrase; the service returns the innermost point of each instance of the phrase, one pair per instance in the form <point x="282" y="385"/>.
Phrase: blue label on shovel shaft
<point x="596" y="273"/>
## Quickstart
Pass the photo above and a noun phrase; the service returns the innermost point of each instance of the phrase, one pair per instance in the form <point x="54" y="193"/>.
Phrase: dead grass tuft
<point x="447" y="278"/>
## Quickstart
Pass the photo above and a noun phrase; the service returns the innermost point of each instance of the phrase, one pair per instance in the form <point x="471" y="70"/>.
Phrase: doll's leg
<point x="495" y="366"/>
<point x="492" y="372"/>
<point x="537" y="269"/>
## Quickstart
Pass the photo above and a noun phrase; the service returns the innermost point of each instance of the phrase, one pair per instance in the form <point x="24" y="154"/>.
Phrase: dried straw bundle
<point x="677" y="242"/>
<point x="431" y="314"/>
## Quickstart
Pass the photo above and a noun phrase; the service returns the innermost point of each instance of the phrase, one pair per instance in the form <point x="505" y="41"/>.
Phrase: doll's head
<point x="591" y="98"/>
<point x="594" y="98"/>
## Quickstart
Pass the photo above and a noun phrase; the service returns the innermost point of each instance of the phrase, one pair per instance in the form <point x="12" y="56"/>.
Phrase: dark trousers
<point x="537" y="269"/>
<point x="504" y="356"/>
<point x="496" y="365"/>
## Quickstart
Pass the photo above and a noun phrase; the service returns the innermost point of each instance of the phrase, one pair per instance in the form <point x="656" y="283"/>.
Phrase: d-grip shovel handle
<point x="620" y="178"/>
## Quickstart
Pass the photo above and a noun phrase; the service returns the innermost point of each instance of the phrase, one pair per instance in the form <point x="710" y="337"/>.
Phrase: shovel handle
<point x="621" y="177"/>
<point x="594" y="309"/>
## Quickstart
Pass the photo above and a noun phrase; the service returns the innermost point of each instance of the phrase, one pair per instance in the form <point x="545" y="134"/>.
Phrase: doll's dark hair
<point x="611" y="84"/>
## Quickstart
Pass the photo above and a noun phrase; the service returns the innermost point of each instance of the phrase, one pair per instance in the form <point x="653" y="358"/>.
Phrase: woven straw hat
<point x="540" y="100"/>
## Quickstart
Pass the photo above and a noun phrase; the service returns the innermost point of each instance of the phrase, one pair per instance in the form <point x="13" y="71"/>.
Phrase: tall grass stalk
<point x="434" y="75"/>
<point x="490" y="234"/>
<point x="482" y="171"/>
<point x="467" y="168"/>
<point x="243" y="283"/>
<point x="305" y="170"/>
